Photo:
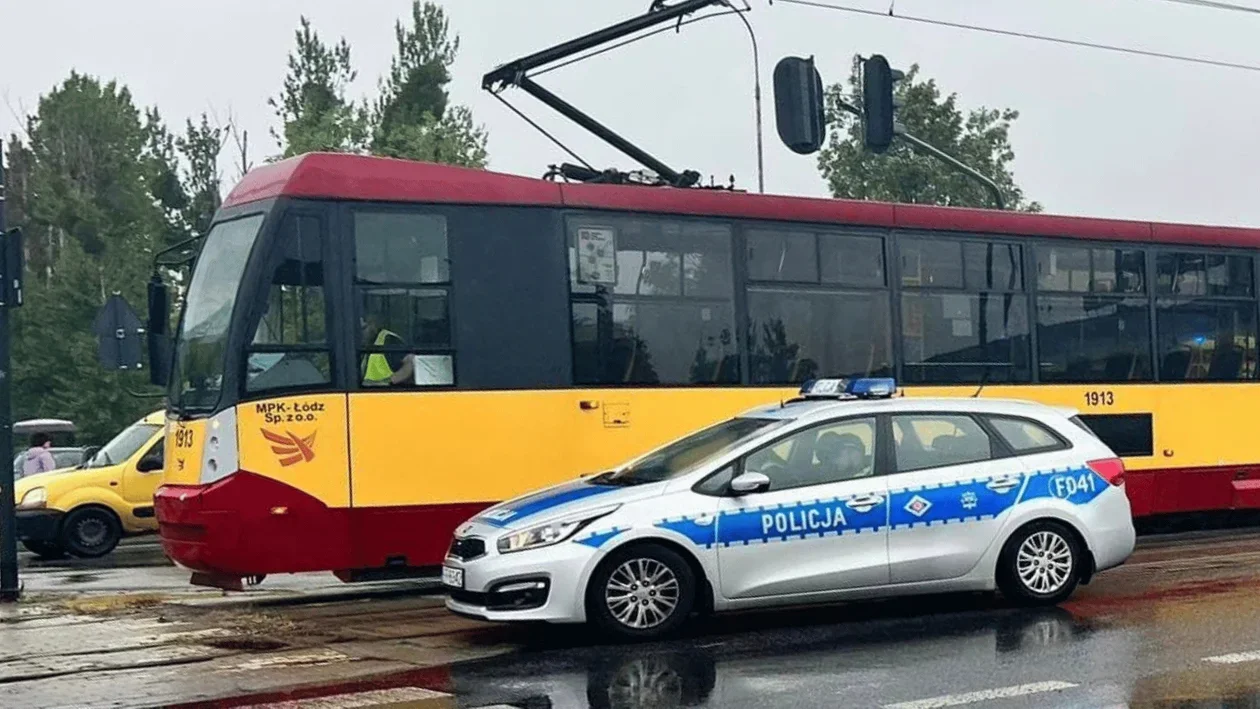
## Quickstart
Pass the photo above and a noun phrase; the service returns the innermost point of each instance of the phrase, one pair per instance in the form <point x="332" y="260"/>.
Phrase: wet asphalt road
<point x="138" y="565"/>
<point x="1179" y="626"/>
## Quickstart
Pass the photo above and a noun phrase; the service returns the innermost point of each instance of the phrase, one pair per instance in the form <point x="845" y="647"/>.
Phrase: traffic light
<point x="878" y="105"/>
<point x="798" y="105"/>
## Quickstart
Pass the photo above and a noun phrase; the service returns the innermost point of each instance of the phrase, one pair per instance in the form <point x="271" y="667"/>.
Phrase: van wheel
<point x="641" y="592"/>
<point x="1040" y="564"/>
<point x="90" y="532"/>
<point x="44" y="550"/>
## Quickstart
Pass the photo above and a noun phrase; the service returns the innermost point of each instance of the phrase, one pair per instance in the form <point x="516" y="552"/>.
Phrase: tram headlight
<point x="34" y="499"/>
<point x="544" y="535"/>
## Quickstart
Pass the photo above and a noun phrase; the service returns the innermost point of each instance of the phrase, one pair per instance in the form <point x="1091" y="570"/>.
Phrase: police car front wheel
<point x="642" y="591"/>
<point x="1040" y="564"/>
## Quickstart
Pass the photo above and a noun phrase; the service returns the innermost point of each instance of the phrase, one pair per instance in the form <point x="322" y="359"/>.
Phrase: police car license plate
<point x="453" y="577"/>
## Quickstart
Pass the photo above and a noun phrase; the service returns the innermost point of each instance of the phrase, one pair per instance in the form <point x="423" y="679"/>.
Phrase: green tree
<point x="201" y="179"/>
<point x="91" y="195"/>
<point x="412" y="117"/>
<point x="313" y="109"/>
<point x="981" y="139"/>
<point x="161" y="165"/>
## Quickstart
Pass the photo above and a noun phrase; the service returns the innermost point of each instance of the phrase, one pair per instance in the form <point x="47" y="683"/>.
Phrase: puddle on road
<point x="72" y="579"/>
<point x="784" y="664"/>
<point x="1200" y="687"/>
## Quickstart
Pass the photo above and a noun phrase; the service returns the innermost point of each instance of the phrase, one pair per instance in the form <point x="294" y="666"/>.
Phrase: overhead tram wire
<point x="1215" y="5"/>
<point x="618" y="45"/>
<point x="668" y="28"/>
<point x="1027" y="35"/>
<point x="544" y="131"/>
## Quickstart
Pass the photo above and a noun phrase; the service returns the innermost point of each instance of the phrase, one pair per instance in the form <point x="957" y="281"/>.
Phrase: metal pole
<point x="761" y="165"/>
<point x="939" y="155"/>
<point x="955" y="162"/>
<point x="9" y="588"/>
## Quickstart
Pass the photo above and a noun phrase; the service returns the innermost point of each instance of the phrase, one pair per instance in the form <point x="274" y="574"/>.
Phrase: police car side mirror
<point x="750" y="482"/>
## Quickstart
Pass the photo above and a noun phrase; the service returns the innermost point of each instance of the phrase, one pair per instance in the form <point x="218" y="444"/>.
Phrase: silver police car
<point x="845" y="492"/>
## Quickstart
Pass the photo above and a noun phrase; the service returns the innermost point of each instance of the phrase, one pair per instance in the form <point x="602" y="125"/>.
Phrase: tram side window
<point x="1205" y="317"/>
<point x="289" y="349"/>
<point x="402" y="293"/>
<point x="817" y="306"/>
<point x="964" y="317"/>
<point x="652" y="301"/>
<point x="1103" y="334"/>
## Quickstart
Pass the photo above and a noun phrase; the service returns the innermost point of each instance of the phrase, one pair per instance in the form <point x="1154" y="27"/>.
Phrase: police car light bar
<point x="873" y="388"/>
<point x="865" y="388"/>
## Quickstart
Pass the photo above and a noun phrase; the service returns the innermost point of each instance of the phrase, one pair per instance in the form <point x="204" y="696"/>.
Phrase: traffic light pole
<point x="9" y="588"/>
<point x="955" y="162"/>
<point x="939" y="154"/>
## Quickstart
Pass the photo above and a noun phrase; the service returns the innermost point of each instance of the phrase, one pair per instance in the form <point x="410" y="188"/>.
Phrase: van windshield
<point x="123" y="446"/>
<point x="686" y="454"/>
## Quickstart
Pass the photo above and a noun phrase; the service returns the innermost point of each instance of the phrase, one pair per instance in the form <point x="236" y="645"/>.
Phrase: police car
<point x="846" y="491"/>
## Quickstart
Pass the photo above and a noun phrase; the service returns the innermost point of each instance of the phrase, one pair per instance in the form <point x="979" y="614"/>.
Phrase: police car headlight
<point x="555" y="532"/>
<point x="34" y="498"/>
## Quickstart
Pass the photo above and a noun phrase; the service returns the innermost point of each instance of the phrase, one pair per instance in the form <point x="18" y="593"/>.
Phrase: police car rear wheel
<point x="643" y="591"/>
<point x="1040" y="564"/>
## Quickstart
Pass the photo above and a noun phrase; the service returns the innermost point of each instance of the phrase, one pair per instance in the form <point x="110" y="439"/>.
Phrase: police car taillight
<point x="1110" y="469"/>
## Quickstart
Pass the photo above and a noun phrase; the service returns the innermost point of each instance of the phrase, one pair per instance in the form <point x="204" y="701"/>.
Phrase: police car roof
<point x="826" y="407"/>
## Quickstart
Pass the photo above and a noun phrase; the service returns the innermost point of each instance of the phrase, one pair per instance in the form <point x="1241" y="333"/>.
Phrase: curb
<point x="284" y="598"/>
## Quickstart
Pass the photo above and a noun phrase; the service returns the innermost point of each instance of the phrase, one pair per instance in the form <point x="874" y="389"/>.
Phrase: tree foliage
<point x="313" y="109"/>
<point x="411" y="116"/>
<point x="99" y="184"/>
<point x="92" y="186"/>
<point x="201" y="179"/>
<point x="981" y="139"/>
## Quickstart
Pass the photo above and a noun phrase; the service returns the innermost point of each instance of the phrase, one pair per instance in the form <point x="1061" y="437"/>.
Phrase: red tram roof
<point x="358" y="177"/>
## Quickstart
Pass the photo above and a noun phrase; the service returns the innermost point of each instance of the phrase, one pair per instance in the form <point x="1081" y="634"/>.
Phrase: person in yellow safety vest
<point x="384" y="368"/>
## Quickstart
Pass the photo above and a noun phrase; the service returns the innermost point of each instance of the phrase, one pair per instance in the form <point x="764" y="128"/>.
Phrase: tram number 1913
<point x="1100" y="398"/>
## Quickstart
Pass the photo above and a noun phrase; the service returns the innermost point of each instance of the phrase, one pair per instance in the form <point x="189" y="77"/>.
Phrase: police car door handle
<point x="867" y="501"/>
<point x="1003" y="483"/>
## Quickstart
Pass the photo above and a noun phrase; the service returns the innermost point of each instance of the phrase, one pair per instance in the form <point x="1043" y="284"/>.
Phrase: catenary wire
<point x="668" y="28"/>
<point x="542" y="130"/>
<point x="1215" y="5"/>
<point x="1027" y="35"/>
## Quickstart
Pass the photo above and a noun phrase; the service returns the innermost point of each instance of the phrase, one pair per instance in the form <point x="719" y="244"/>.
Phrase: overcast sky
<point x="1100" y="133"/>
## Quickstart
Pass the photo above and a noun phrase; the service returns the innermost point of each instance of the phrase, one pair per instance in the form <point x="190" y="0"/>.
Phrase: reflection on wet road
<point x="1179" y="627"/>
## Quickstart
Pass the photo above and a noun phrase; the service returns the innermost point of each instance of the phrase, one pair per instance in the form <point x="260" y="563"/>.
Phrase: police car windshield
<point x="682" y="456"/>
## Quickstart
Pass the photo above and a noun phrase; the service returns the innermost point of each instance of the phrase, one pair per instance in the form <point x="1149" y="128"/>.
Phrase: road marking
<point x="984" y="695"/>
<point x="1234" y="658"/>
<point x="373" y="698"/>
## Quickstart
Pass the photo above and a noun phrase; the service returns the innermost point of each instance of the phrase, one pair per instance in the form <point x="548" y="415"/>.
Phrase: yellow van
<point x="84" y="511"/>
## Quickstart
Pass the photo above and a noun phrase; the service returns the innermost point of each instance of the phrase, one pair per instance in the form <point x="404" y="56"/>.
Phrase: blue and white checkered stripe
<point x="956" y="502"/>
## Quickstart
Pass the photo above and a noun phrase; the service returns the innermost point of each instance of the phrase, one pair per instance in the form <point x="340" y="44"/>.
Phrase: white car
<point x="844" y="492"/>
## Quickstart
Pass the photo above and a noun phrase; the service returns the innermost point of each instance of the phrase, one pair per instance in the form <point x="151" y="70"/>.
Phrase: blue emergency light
<point x="864" y="388"/>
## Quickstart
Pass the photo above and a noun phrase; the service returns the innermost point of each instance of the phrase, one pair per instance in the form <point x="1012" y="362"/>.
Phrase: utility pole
<point x="9" y="588"/>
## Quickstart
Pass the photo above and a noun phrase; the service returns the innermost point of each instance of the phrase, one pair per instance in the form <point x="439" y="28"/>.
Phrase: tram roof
<point x="367" y="178"/>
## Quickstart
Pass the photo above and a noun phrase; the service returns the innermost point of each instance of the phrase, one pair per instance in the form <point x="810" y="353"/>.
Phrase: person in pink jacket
<point x="38" y="458"/>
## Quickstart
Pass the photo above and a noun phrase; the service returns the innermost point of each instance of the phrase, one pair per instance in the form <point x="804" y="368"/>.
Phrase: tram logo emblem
<point x="290" y="448"/>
